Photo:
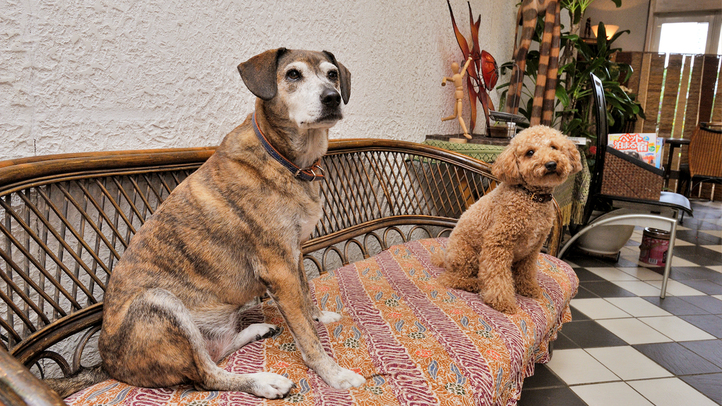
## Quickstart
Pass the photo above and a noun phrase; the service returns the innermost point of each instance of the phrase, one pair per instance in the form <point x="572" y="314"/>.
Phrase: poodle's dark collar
<point x="538" y="197"/>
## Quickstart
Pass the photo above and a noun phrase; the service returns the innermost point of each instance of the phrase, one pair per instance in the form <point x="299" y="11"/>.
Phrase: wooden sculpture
<point x="457" y="78"/>
<point x="482" y="73"/>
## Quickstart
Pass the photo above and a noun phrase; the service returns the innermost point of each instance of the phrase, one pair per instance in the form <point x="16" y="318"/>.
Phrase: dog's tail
<point x="80" y="380"/>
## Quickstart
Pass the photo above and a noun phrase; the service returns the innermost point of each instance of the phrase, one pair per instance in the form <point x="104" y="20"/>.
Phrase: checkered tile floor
<point x="627" y="347"/>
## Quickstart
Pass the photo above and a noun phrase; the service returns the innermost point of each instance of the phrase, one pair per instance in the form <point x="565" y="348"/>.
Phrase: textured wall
<point x="113" y="74"/>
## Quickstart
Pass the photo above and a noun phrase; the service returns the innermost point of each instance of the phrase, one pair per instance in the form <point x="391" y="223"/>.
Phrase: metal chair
<point x="661" y="213"/>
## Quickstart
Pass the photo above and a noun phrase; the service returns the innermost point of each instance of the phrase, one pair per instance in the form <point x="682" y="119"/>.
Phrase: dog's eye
<point x="333" y="75"/>
<point x="293" y="74"/>
<point x="554" y="147"/>
<point x="530" y="153"/>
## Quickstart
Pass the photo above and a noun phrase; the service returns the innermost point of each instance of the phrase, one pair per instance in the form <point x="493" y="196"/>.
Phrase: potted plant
<point x="580" y="56"/>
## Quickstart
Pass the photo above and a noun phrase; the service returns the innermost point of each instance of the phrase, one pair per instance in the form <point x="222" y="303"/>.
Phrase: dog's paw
<point x="343" y="378"/>
<point x="533" y="292"/>
<point x="328" y="317"/>
<point x="502" y="304"/>
<point x="263" y="330"/>
<point x="270" y="386"/>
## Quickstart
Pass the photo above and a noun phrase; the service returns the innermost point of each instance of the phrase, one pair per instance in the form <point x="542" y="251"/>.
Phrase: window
<point x="687" y="33"/>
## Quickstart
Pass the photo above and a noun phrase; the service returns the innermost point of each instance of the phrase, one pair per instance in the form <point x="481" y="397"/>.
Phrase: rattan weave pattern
<point x="626" y="179"/>
<point x="705" y="153"/>
<point x="60" y="241"/>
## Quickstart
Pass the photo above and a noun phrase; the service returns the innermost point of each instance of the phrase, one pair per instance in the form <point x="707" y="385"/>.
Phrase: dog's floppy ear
<point x="259" y="73"/>
<point x="344" y="77"/>
<point x="505" y="167"/>
<point x="570" y="149"/>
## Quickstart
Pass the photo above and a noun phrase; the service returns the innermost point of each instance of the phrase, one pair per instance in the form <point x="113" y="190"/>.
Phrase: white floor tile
<point x="612" y="274"/>
<point x="606" y="394"/>
<point x="598" y="309"/>
<point x="717" y="297"/>
<point x="637" y="307"/>
<point x="670" y="392"/>
<point x="638" y="287"/>
<point x="716" y="233"/>
<point x="676" y="328"/>
<point x="637" y="236"/>
<point x="717" y="248"/>
<point x="642" y="273"/>
<point x="682" y="243"/>
<point x="628" y="363"/>
<point x="633" y="331"/>
<point x="576" y="366"/>
<point x="675" y="288"/>
<point x="716" y="268"/>
<point x="677" y="261"/>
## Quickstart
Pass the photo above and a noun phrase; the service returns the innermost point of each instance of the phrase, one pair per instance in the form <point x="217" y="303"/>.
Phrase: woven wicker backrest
<point x="705" y="152"/>
<point x="64" y="223"/>
<point x="66" y="220"/>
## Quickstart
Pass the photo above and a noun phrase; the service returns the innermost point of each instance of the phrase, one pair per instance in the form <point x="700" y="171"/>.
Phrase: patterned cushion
<point x="414" y="340"/>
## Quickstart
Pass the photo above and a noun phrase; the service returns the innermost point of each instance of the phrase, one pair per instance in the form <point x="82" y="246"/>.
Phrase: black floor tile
<point x="583" y="293"/>
<point x="695" y="272"/>
<point x="708" y="303"/>
<point x="543" y="378"/>
<point x="586" y="261"/>
<point x="625" y="263"/>
<point x="606" y="289"/>
<point x="709" y="323"/>
<point x="711" y="350"/>
<point x="697" y="237"/>
<point x="699" y="255"/>
<point x="564" y="343"/>
<point x="704" y="285"/>
<point x="585" y="275"/>
<point x="550" y="397"/>
<point x="590" y="334"/>
<point x="677" y="359"/>
<point x="675" y="305"/>
<point x="708" y="384"/>
<point x="577" y="315"/>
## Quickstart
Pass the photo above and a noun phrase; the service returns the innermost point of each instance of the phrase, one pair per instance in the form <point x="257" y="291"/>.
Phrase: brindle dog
<point x="229" y="233"/>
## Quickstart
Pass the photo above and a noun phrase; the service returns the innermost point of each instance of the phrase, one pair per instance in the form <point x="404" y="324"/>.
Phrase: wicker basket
<point x="626" y="176"/>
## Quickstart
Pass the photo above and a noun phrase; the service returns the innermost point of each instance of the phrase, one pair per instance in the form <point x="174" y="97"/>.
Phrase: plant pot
<point x="498" y="131"/>
<point x="606" y="240"/>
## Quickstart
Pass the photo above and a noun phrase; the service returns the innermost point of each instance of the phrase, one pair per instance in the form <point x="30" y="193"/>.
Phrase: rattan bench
<point x="66" y="219"/>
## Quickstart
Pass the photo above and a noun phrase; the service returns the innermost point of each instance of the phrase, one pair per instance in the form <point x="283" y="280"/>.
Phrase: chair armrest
<point x="19" y="387"/>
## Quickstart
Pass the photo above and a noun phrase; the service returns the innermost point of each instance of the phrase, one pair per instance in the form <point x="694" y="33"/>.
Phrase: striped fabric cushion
<point x="415" y="341"/>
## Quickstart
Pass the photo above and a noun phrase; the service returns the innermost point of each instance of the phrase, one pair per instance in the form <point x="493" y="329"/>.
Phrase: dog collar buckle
<point x="538" y="197"/>
<point x="541" y="198"/>
<point x="307" y="174"/>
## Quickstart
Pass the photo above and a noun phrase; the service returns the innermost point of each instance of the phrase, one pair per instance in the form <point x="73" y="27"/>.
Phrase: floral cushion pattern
<point x="414" y="340"/>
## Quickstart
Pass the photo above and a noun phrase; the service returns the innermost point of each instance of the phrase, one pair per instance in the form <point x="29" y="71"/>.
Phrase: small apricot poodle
<point x="494" y="247"/>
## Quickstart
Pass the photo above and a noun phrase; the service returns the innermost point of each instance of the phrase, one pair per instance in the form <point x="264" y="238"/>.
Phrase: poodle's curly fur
<point x="494" y="247"/>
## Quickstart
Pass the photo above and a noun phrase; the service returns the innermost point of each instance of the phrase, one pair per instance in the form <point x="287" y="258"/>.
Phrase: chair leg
<point x="668" y="265"/>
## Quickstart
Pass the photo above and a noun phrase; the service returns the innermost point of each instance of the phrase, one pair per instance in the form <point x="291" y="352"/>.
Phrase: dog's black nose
<point x="330" y="98"/>
<point x="551" y="166"/>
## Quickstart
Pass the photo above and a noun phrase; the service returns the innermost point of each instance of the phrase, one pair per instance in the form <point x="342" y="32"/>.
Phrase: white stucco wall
<point x="115" y="74"/>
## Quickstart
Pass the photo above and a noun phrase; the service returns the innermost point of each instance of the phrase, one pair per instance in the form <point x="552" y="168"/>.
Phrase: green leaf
<point x="562" y="95"/>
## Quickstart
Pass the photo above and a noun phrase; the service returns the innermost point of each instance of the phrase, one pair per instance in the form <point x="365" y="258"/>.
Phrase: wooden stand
<point x="457" y="140"/>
